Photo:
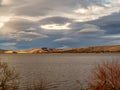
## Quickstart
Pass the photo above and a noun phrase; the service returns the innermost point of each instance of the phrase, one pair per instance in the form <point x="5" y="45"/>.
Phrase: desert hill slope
<point x="95" y="49"/>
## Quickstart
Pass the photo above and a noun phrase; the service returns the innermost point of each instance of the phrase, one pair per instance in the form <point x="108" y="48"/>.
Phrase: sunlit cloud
<point x="4" y="19"/>
<point x="90" y="9"/>
<point x="6" y="2"/>
<point x="56" y="26"/>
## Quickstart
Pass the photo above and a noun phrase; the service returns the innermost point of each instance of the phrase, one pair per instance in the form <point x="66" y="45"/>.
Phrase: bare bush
<point x="8" y="77"/>
<point x="106" y="76"/>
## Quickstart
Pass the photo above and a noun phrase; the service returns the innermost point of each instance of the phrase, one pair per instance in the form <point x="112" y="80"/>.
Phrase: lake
<point x="61" y="71"/>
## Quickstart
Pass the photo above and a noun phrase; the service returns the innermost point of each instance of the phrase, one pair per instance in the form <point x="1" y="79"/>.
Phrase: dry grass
<point x="8" y="77"/>
<point x="106" y="76"/>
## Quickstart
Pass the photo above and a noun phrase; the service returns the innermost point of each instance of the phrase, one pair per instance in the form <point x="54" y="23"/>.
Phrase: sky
<point x="27" y="24"/>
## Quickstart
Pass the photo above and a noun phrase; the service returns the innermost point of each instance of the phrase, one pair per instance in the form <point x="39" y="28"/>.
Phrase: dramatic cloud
<point x="55" y="23"/>
<point x="109" y="23"/>
<point x="90" y="29"/>
<point x="56" y="26"/>
<point x="55" y="19"/>
<point x="20" y="30"/>
<point x="94" y="11"/>
<point x="58" y="23"/>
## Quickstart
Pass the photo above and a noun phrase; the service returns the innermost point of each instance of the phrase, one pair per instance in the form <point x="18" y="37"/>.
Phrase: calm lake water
<point x="61" y="71"/>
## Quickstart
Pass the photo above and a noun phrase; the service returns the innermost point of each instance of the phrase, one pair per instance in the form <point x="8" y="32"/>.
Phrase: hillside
<point x="95" y="49"/>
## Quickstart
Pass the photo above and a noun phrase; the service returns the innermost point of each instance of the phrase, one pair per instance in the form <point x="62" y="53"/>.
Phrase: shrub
<point x="106" y="76"/>
<point x="8" y="77"/>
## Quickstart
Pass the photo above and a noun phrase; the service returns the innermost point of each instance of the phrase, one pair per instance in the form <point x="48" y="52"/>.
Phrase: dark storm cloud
<point x="109" y="23"/>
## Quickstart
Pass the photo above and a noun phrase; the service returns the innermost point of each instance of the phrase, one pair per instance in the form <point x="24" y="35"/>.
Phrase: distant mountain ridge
<point x="93" y="49"/>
